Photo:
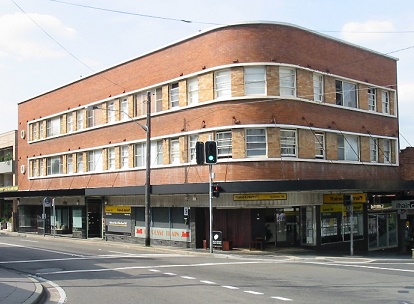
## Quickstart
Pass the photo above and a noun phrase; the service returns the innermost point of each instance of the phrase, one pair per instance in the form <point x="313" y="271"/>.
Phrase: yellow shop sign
<point x="118" y="209"/>
<point x="259" y="196"/>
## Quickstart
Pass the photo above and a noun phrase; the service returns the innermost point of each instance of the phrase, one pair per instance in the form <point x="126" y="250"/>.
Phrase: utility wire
<point x="133" y="14"/>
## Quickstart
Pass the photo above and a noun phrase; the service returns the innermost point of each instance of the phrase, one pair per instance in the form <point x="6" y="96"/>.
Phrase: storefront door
<point x="382" y="230"/>
<point x="282" y="227"/>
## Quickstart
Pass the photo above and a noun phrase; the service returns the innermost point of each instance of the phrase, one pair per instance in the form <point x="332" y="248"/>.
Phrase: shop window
<point x="336" y="223"/>
<point x="382" y="230"/>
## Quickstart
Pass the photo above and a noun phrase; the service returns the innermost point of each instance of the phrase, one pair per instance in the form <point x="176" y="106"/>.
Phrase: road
<point x="85" y="271"/>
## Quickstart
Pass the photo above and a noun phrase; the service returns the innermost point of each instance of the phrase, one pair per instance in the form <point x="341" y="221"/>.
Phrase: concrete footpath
<point x="18" y="288"/>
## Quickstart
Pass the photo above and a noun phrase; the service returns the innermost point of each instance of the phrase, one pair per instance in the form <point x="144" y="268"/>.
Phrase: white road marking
<point x="154" y="270"/>
<point x="282" y="299"/>
<point x="188" y="278"/>
<point x="41" y="249"/>
<point x="230" y="287"/>
<point x="208" y="282"/>
<point x="253" y="292"/>
<point x="361" y="266"/>
<point x="170" y="274"/>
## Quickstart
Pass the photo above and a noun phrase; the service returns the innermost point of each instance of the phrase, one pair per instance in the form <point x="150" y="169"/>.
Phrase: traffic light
<point x="211" y="152"/>
<point x="215" y="189"/>
<point x="348" y="199"/>
<point x="200" y="153"/>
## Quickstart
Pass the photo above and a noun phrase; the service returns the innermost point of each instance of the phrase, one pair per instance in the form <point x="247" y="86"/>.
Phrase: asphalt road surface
<point x="86" y="271"/>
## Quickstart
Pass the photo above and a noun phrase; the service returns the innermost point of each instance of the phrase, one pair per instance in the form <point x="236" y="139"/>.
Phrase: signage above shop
<point x="403" y="204"/>
<point x="10" y="188"/>
<point x="339" y="198"/>
<point x="259" y="196"/>
<point x="118" y="209"/>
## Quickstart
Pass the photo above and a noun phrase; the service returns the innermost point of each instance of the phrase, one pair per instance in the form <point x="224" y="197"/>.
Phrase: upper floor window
<point x="140" y="155"/>
<point x="372" y="99"/>
<point x="287" y="81"/>
<point x="156" y="152"/>
<point x="111" y="112"/>
<point x="69" y="122"/>
<point x="192" y="90"/>
<point x="124" y="157"/>
<point x="385" y="102"/>
<point x="255" y="80"/>
<point x="95" y="161"/>
<point x="35" y="167"/>
<point x="174" y="151"/>
<point x="41" y="130"/>
<point x="387" y="150"/>
<point x="41" y="167"/>
<point x="79" y="162"/>
<point x="69" y="164"/>
<point x="348" y="147"/>
<point x="373" y="149"/>
<point x="141" y="104"/>
<point x="79" y="120"/>
<point x="256" y="142"/>
<point x="224" y="144"/>
<point x="319" y="145"/>
<point x="317" y="87"/>
<point x="222" y="84"/>
<point x="54" y="165"/>
<point x="192" y="148"/>
<point x="288" y="143"/>
<point x="174" y="95"/>
<point x="346" y="94"/>
<point x="124" y="108"/>
<point x="35" y="128"/>
<point x="90" y="114"/>
<point x="158" y="100"/>
<point x="111" y="159"/>
<point x="53" y="126"/>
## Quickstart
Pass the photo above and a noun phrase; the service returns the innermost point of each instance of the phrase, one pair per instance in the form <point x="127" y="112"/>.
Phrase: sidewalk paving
<point x="18" y="288"/>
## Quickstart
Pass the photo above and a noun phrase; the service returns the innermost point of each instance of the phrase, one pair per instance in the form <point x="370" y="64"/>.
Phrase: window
<point x="256" y="142"/>
<point x="111" y="159"/>
<point x="222" y="84"/>
<point x="319" y="145"/>
<point x="174" y="151"/>
<point x="35" y="134"/>
<point x="69" y="122"/>
<point x="288" y="145"/>
<point x="79" y="120"/>
<point x="69" y="164"/>
<point x="255" y="80"/>
<point x="111" y="113"/>
<point x="224" y="144"/>
<point x="348" y="147"/>
<point x="387" y="151"/>
<point x="41" y="167"/>
<point x="192" y="148"/>
<point x="141" y="104"/>
<point x="95" y="161"/>
<point x="373" y="148"/>
<point x="346" y="94"/>
<point x="158" y="100"/>
<point x="79" y="162"/>
<point x="53" y="126"/>
<point x="140" y="155"/>
<point x="287" y="80"/>
<point x="90" y="115"/>
<point x="54" y="165"/>
<point x="192" y="91"/>
<point x="124" y="157"/>
<point x="385" y="102"/>
<point x="174" y="94"/>
<point x="372" y="99"/>
<point x="124" y="109"/>
<point x="35" y="167"/>
<point x="156" y="153"/>
<point x="317" y="87"/>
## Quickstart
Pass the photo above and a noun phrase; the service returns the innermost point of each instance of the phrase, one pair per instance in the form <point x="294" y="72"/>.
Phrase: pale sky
<point x="45" y="44"/>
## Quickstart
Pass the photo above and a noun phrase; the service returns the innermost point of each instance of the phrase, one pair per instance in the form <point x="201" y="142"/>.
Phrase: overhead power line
<point x="133" y="14"/>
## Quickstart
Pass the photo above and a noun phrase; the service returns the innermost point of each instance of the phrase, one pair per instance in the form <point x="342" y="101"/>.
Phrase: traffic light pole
<point x="210" y="195"/>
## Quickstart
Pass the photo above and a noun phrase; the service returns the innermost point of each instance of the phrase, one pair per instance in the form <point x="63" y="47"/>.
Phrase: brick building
<point x="300" y="119"/>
